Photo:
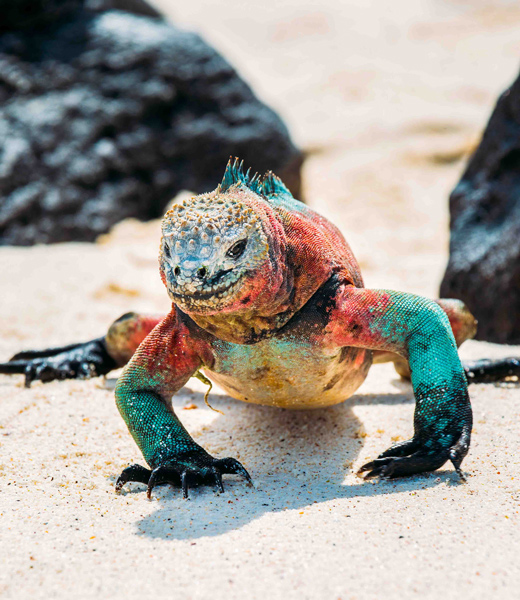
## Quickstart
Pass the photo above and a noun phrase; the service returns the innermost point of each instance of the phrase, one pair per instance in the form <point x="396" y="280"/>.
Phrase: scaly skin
<point x="269" y="302"/>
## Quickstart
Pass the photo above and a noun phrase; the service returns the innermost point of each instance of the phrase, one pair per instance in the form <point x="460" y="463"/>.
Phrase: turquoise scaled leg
<point x="419" y="330"/>
<point x="162" y="364"/>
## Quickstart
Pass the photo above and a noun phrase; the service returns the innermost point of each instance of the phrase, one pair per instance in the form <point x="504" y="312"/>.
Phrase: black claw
<point x="366" y="467"/>
<point x="380" y="472"/>
<point x="162" y="474"/>
<point x="152" y="482"/>
<point x="133" y="473"/>
<point x="184" y="484"/>
<point x="456" y="460"/>
<point x="76" y="361"/>
<point x="460" y="473"/>
<point x="420" y="461"/>
<point x="382" y="468"/>
<point x="30" y="375"/>
<point x="218" y="479"/>
<point x="232" y="465"/>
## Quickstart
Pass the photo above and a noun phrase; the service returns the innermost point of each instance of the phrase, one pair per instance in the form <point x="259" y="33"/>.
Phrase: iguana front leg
<point x="419" y="330"/>
<point x="164" y="362"/>
<point x="87" y="359"/>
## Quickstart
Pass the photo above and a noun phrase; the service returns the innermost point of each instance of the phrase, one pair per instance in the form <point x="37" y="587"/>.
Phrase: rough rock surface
<point x="106" y="114"/>
<point x="484" y="264"/>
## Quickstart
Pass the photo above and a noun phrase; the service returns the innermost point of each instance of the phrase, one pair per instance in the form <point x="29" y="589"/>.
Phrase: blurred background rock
<point x="107" y="114"/>
<point x="484" y="265"/>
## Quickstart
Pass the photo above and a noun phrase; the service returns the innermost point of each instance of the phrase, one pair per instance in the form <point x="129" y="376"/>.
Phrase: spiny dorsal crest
<point x="268" y="185"/>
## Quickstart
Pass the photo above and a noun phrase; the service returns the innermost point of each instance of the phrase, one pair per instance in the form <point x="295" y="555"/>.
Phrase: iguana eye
<point x="237" y="249"/>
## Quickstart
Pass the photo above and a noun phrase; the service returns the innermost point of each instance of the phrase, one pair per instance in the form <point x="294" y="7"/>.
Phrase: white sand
<point x="387" y="98"/>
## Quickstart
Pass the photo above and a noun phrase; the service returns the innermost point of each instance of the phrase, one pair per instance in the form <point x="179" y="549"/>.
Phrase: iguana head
<point x="223" y="252"/>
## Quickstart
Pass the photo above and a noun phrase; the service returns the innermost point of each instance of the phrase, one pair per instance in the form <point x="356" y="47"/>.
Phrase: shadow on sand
<point x="296" y="459"/>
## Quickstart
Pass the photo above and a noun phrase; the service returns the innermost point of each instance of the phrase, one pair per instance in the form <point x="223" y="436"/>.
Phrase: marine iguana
<point x="268" y="301"/>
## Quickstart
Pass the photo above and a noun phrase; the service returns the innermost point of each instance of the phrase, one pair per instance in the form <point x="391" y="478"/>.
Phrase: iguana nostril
<point x="177" y="271"/>
<point x="201" y="273"/>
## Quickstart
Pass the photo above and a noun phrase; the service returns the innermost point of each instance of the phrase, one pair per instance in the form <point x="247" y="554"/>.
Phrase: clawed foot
<point x="186" y="471"/>
<point x="490" y="371"/>
<point x="77" y="361"/>
<point x="412" y="457"/>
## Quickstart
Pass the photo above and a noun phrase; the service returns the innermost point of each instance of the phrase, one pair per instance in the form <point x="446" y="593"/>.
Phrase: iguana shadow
<point x="296" y="458"/>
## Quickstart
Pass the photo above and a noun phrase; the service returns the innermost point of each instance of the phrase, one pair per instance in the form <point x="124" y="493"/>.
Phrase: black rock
<point x="106" y="114"/>
<point x="484" y="264"/>
<point x="26" y="14"/>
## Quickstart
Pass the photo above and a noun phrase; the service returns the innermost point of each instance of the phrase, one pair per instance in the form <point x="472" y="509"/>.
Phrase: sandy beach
<point x="387" y="100"/>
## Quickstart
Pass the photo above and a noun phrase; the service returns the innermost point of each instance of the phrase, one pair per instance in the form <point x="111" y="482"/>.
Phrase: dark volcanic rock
<point x="484" y="265"/>
<point x="25" y="14"/>
<point x="107" y="115"/>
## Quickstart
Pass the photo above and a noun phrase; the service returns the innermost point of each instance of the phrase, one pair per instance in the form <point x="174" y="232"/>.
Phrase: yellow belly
<point x="289" y="374"/>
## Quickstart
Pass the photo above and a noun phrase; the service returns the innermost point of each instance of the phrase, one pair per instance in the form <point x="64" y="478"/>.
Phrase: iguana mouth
<point x="214" y="294"/>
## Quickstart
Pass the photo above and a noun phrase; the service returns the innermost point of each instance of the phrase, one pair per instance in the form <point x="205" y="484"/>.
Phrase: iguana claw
<point x="183" y="474"/>
<point x="133" y="473"/>
<point x="412" y="457"/>
<point x="398" y="466"/>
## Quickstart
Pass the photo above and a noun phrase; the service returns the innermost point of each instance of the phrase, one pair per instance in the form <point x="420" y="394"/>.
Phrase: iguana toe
<point x="233" y="466"/>
<point x="133" y="473"/>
